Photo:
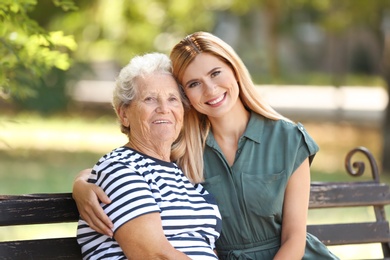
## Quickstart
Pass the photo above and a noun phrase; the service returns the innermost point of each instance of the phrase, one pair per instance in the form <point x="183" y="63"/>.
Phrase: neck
<point x="232" y="125"/>
<point x="161" y="151"/>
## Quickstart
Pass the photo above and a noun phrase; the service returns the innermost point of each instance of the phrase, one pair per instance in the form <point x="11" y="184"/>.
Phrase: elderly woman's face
<point x="156" y="114"/>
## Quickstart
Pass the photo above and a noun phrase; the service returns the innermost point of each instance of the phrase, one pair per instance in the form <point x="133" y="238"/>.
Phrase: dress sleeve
<point x="307" y="147"/>
<point x="130" y="194"/>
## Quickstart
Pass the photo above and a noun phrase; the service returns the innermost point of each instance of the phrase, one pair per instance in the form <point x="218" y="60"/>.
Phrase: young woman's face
<point x="156" y="114"/>
<point x="210" y="85"/>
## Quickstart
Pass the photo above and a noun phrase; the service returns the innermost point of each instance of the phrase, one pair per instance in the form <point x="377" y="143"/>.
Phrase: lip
<point x="216" y="101"/>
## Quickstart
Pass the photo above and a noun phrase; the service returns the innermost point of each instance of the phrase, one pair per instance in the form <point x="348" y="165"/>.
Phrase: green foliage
<point x="319" y="79"/>
<point x="337" y="16"/>
<point x="66" y="5"/>
<point x="28" y="52"/>
<point x="118" y="30"/>
<point x="49" y="95"/>
<point x="108" y="30"/>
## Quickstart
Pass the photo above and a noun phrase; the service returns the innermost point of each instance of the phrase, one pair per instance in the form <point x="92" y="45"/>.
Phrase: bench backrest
<point x="39" y="209"/>
<point x="354" y="194"/>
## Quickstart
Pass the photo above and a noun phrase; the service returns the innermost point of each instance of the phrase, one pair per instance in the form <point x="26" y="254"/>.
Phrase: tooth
<point x="216" y="101"/>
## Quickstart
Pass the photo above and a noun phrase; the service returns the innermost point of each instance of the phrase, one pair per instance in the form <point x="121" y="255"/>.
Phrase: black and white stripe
<point x="138" y="184"/>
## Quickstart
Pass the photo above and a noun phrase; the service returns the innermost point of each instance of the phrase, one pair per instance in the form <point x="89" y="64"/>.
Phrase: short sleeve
<point x="130" y="194"/>
<point x="307" y="147"/>
<point x="199" y="188"/>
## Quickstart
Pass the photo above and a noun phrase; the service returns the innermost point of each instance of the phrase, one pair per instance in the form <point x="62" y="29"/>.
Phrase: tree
<point x="373" y="14"/>
<point x="28" y="52"/>
<point x="386" y="75"/>
<point x="117" y="30"/>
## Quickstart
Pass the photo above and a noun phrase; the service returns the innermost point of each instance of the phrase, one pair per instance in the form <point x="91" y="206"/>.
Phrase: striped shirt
<point x="138" y="184"/>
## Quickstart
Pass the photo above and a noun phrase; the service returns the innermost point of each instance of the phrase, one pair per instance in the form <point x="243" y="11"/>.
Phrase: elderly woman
<point x="156" y="212"/>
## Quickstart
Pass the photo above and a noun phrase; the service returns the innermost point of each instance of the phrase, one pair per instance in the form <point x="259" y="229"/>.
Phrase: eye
<point x="173" y="99"/>
<point x="193" y="84"/>
<point x="215" y="73"/>
<point x="149" y="99"/>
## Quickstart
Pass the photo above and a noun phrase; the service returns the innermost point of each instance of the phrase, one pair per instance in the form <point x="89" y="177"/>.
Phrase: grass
<point x="44" y="154"/>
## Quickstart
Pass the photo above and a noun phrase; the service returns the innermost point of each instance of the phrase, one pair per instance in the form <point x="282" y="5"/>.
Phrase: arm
<point x="143" y="238"/>
<point x="295" y="209"/>
<point x="87" y="196"/>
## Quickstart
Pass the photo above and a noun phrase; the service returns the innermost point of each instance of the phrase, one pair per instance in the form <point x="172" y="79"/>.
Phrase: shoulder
<point x="120" y="155"/>
<point x="289" y="132"/>
<point x="280" y="127"/>
<point x="117" y="164"/>
<point x="285" y="127"/>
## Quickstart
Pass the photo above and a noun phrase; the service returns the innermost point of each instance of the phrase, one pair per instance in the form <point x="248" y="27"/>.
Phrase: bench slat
<point x="351" y="233"/>
<point x="37" y="209"/>
<point x="42" y="249"/>
<point x="330" y="195"/>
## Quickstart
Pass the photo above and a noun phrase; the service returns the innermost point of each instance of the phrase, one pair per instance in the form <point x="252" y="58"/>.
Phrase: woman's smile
<point x="216" y="101"/>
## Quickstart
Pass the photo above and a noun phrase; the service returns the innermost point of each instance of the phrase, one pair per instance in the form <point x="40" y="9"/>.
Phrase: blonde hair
<point x="197" y="125"/>
<point x="127" y="85"/>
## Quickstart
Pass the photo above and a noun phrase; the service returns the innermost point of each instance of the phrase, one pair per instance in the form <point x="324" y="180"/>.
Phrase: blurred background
<point x="325" y="63"/>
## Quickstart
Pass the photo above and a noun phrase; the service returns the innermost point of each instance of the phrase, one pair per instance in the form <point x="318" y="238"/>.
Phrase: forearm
<point x="87" y="197"/>
<point x="143" y="238"/>
<point x="291" y="249"/>
<point x="160" y="252"/>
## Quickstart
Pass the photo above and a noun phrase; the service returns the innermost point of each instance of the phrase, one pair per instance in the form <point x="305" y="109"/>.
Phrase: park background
<point x="322" y="62"/>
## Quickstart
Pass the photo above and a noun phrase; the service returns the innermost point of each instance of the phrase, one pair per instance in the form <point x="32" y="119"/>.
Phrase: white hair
<point x="138" y="67"/>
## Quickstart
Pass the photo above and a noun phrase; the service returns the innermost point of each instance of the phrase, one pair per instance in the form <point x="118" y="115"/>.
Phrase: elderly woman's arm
<point x="143" y="238"/>
<point x="87" y="196"/>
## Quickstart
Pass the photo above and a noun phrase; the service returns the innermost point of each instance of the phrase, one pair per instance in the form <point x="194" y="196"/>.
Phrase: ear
<point x="121" y="111"/>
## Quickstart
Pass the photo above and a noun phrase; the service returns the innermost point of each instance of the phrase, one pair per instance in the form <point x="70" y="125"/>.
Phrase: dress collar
<point x="254" y="130"/>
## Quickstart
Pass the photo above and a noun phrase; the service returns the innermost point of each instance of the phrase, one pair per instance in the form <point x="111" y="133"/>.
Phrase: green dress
<point x="250" y="193"/>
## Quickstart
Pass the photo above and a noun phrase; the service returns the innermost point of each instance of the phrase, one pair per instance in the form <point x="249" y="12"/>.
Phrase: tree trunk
<point x="386" y="136"/>
<point x="272" y="8"/>
<point x="386" y="122"/>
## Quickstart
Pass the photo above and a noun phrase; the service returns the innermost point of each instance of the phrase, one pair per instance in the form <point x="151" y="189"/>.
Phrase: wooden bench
<point x="371" y="193"/>
<point x="59" y="208"/>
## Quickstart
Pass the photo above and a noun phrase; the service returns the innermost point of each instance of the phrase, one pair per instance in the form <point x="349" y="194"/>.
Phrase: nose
<point x="210" y="87"/>
<point x="162" y="107"/>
